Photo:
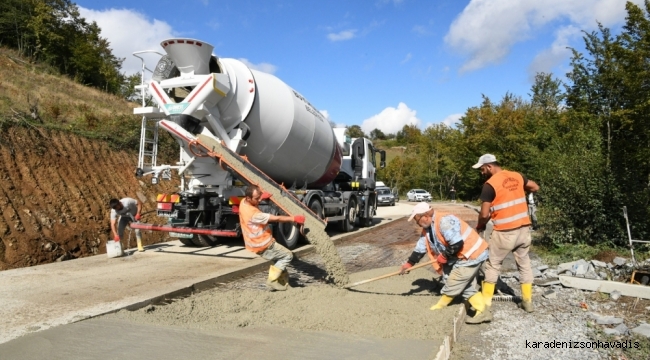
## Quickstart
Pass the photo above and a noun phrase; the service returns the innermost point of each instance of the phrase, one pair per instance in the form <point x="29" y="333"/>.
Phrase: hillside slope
<point x="54" y="193"/>
<point x="65" y="150"/>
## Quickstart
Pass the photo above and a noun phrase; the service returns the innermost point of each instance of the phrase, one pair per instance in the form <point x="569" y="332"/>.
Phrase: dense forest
<point x="584" y="139"/>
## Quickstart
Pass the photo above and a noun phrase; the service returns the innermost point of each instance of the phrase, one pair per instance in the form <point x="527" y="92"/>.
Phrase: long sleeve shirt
<point x="450" y="229"/>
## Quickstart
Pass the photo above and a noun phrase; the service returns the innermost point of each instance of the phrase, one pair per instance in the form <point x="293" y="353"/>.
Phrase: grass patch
<point x="33" y="95"/>
<point x="556" y="254"/>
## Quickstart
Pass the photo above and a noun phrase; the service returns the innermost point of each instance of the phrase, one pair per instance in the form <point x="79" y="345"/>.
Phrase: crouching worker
<point x="258" y="236"/>
<point x="458" y="253"/>
<point x="128" y="210"/>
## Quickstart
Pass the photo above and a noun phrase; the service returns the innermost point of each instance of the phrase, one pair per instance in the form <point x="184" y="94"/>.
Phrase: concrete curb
<point x="450" y="340"/>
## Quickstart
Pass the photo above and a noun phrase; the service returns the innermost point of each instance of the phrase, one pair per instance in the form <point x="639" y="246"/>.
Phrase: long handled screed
<point x="385" y="276"/>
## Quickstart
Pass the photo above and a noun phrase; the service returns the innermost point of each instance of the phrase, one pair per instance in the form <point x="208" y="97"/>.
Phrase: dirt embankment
<point x="54" y="193"/>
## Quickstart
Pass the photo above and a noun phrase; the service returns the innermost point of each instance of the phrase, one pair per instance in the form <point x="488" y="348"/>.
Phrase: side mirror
<point x="382" y="164"/>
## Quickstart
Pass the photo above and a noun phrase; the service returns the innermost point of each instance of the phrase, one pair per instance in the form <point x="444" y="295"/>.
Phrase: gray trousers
<point x="122" y="224"/>
<point x="278" y="253"/>
<point x="460" y="280"/>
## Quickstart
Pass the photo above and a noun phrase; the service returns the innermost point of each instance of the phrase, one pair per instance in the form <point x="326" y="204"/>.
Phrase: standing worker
<point x="504" y="202"/>
<point x="452" y="194"/>
<point x="129" y="210"/>
<point x="457" y="252"/>
<point x="258" y="236"/>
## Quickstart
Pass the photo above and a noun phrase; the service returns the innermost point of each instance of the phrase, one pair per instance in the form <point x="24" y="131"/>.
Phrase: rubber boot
<point x="488" y="290"/>
<point x="139" y="241"/>
<point x="274" y="276"/>
<point x="284" y="278"/>
<point x="443" y="302"/>
<point x="483" y="313"/>
<point x="526" y="297"/>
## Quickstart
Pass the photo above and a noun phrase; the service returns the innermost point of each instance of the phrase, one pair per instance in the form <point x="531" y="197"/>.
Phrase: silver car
<point x="418" y="195"/>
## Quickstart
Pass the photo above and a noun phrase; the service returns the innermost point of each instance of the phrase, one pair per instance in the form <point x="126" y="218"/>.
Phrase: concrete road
<point x="40" y="297"/>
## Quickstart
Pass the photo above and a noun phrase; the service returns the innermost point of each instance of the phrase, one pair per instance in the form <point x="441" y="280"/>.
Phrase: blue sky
<point x="375" y="63"/>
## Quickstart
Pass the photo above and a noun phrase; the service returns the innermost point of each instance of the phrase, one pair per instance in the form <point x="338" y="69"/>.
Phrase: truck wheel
<point x="316" y="207"/>
<point x="347" y="224"/>
<point x="186" y="242"/>
<point x="204" y="240"/>
<point x="287" y="235"/>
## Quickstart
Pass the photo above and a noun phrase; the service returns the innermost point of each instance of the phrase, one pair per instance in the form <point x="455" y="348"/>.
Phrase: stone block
<point x="550" y="294"/>
<point x="579" y="269"/>
<point x="597" y="263"/>
<point x="619" y="261"/>
<point x="608" y="320"/>
<point x="643" y="329"/>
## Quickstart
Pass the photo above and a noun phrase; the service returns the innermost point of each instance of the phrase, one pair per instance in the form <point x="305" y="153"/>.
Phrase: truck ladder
<point x="148" y="144"/>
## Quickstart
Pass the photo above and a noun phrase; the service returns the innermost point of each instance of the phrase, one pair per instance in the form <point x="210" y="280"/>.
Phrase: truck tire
<point x="287" y="235"/>
<point x="204" y="240"/>
<point x="367" y="222"/>
<point x="187" y="242"/>
<point x="316" y="207"/>
<point x="347" y="224"/>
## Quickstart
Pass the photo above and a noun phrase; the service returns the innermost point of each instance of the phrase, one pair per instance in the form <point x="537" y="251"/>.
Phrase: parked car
<point x="385" y="196"/>
<point x="418" y="195"/>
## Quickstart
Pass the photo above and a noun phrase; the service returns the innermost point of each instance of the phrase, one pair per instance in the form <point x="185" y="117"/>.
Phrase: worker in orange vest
<point x="258" y="236"/>
<point x="504" y="202"/>
<point x="457" y="252"/>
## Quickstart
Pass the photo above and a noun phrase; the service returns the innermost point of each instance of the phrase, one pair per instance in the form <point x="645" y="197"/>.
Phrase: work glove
<point x="405" y="268"/>
<point x="299" y="219"/>
<point x="116" y="238"/>
<point x="441" y="259"/>
<point x="137" y="217"/>
<point x="265" y="196"/>
<point x="480" y="228"/>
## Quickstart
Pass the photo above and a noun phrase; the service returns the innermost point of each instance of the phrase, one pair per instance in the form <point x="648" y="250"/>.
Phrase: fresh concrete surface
<point x="111" y="339"/>
<point x="44" y="296"/>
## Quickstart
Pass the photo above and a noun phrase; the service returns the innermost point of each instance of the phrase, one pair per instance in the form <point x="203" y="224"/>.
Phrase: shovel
<point x="386" y="276"/>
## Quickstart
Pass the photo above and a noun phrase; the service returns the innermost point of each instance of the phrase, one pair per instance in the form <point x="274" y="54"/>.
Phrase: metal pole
<point x="629" y="234"/>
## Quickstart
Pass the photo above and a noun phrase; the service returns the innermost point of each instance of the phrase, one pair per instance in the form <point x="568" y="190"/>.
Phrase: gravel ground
<point x="567" y="317"/>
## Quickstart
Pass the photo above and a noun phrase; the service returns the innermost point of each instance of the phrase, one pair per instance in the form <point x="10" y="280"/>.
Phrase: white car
<point x="418" y="195"/>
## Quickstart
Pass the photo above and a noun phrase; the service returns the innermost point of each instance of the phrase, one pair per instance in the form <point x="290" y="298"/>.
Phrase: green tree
<point x="377" y="134"/>
<point x="354" y="131"/>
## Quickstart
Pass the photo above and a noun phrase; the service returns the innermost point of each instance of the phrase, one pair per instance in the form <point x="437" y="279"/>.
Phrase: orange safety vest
<point x="509" y="209"/>
<point x="257" y="237"/>
<point x="473" y="243"/>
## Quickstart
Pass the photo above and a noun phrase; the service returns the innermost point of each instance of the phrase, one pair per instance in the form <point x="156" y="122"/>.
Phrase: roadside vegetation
<point x="586" y="141"/>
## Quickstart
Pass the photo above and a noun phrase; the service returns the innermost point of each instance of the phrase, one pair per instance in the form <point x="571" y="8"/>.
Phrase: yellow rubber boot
<point x="274" y="275"/>
<point x="488" y="291"/>
<point x="284" y="278"/>
<point x="527" y="297"/>
<point x="443" y="302"/>
<point x="483" y="313"/>
<point x="139" y="241"/>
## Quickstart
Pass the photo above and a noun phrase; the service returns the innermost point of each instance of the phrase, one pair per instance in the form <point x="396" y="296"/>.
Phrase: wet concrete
<point x="118" y="339"/>
<point x="391" y="315"/>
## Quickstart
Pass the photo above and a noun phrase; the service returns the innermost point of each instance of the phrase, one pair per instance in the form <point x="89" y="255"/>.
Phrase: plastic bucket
<point x="114" y="249"/>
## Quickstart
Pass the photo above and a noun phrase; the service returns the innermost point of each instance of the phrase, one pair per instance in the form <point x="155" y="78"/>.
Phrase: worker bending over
<point x="258" y="236"/>
<point x="504" y="201"/>
<point x="457" y="252"/>
<point x="128" y="210"/>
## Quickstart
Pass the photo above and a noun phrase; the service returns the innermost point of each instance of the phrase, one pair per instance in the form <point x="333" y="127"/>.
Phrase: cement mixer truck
<point x="271" y="128"/>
